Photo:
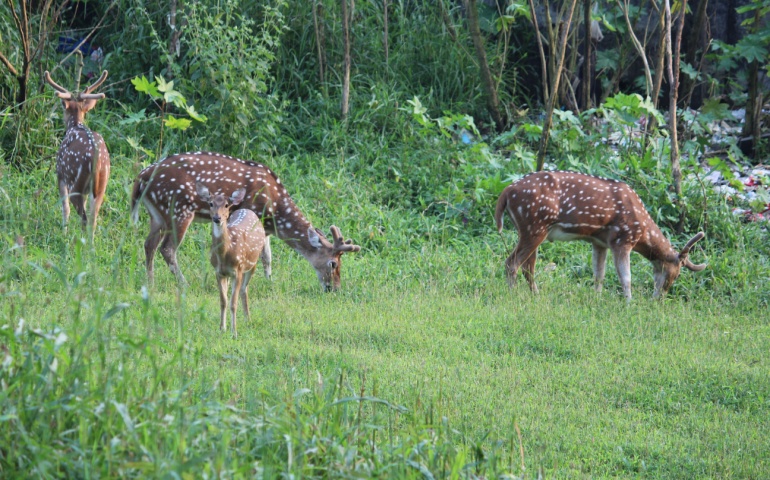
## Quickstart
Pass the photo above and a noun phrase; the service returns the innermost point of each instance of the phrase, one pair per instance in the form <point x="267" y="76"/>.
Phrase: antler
<point x="686" y="250"/>
<point x="341" y="245"/>
<point x="65" y="94"/>
<point x="95" y="85"/>
<point x="692" y="242"/>
<point x="61" y="92"/>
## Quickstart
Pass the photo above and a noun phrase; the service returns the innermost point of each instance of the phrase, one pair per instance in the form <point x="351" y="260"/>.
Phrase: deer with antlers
<point x="83" y="162"/>
<point x="237" y="241"/>
<point x="564" y="206"/>
<point x="167" y="191"/>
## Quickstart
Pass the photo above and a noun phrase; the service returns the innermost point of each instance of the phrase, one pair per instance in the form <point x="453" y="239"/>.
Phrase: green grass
<point x="425" y="363"/>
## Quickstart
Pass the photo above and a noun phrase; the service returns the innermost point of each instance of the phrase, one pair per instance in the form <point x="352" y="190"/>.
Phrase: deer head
<point x="667" y="271"/>
<point x="76" y="106"/>
<point x="219" y="205"/>
<point x="327" y="257"/>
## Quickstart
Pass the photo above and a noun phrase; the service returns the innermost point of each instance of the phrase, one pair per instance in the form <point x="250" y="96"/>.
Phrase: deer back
<point x="169" y="186"/>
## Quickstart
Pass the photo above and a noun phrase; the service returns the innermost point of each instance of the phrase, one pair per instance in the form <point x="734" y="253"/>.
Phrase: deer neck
<point x="220" y="236"/>
<point x="655" y="247"/>
<point x="291" y="226"/>
<point x="74" y="120"/>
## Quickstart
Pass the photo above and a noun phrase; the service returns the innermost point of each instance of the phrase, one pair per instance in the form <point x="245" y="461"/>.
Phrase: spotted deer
<point x="83" y="162"/>
<point x="237" y="241"/>
<point x="564" y="206"/>
<point x="167" y="190"/>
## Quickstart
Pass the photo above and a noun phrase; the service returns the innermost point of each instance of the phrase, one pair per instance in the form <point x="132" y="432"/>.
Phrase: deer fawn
<point x="167" y="190"/>
<point x="564" y="206"/>
<point x="83" y="162"/>
<point x="236" y="246"/>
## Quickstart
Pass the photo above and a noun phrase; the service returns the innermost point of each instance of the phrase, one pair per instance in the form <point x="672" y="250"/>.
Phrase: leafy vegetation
<point x="425" y="365"/>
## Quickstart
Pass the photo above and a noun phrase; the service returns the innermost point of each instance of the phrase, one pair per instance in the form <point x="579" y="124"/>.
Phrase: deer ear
<point x="203" y="192"/>
<point x="237" y="196"/>
<point x="88" y="105"/>
<point x="313" y="238"/>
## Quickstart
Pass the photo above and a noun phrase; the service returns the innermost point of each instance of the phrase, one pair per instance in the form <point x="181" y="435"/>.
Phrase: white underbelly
<point x="559" y="234"/>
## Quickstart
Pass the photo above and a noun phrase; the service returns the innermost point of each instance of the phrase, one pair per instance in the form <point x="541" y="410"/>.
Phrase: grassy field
<point x="424" y="365"/>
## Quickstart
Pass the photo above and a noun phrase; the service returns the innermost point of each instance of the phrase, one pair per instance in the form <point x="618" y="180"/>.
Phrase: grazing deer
<point x="236" y="245"/>
<point x="564" y="206"/>
<point x="167" y="190"/>
<point x="83" y="162"/>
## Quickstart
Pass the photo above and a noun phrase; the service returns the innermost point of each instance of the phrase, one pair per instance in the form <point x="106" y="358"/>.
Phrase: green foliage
<point x="227" y="64"/>
<point x="164" y="91"/>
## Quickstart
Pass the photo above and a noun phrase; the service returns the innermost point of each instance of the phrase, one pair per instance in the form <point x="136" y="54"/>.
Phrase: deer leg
<point x="237" y="283"/>
<point x="267" y="259"/>
<point x="78" y="201"/>
<point x="65" y="204"/>
<point x="622" y="258"/>
<point x="245" y="292"/>
<point x="171" y="243"/>
<point x="526" y="248"/>
<point x="512" y="268"/>
<point x="151" y="246"/>
<point x="528" y="267"/>
<point x="599" y="260"/>
<point x="96" y="205"/>
<point x="222" y="283"/>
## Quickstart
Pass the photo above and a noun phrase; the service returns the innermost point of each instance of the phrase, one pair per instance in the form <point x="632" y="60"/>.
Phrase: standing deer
<point x="83" y="162"/>
<point x="564" y="206"/>
<point x="236" y="245"/>
<point x="167" y="190"/>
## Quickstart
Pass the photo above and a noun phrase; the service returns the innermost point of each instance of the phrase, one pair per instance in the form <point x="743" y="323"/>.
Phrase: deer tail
<point x="502" y="205"/>
<point x="136" y="195"/>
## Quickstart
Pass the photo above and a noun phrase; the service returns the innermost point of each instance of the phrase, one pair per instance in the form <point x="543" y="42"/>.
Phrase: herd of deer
<point x="202" y="186"/>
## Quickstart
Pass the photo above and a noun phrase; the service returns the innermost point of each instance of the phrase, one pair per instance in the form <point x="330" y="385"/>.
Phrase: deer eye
<point x="211" y="204"/>
<point x="333" y="265"/>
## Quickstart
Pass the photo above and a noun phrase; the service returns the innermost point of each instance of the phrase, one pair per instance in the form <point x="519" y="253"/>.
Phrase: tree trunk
<point x="346" y="40"/>
<point x="587" y="52"/>
<point x="541" y="51"/>
<point x="755" y="101"/>
<point x="493" y="102"/>
<point x="564" y="27"/>
<point x="660" y="63"/>
<point x="694" y="44"/>
<point x="673" y="68"/>
<point x="176" y="32"/>
<point x="319" y="38"/>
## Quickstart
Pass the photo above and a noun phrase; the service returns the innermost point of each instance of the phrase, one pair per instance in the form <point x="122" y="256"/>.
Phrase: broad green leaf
<point x="519" y="8"/>
<point x="190" y="109"/>
<point x="713" y="110"/>
<point x="133" y="117"/>
<point x="177" y="123"/>
<point x="163" y="85"/>
<point x="752" y="48"/>
<point x="169" y="94"/>
<point x="141" y="84"/>
<point x="689" y="70"/>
